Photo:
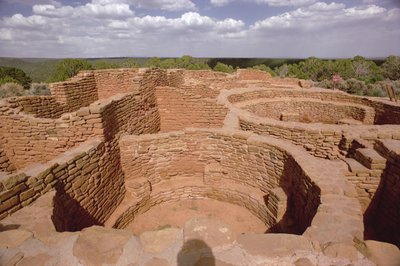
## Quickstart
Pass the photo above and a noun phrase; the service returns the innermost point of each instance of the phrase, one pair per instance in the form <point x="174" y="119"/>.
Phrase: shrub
<point x="265" y="68"/>
<point x="8" y="79"/>
<point x="67" y="68"/>
<point x="325" y="84"/>
<point x="221" y="67"/>
<point x="39" y="89"/>
<point x="17" y="75"/>
<point x="375" y="90"/>
<point x="355" y="86"/>
<point x="11" y="89"/>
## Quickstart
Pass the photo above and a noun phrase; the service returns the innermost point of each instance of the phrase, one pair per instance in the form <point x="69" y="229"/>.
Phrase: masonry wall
<point x="76" y="92"/>
<point x="182" y="107"/>
<point x="320" y="143"/>
<point x="386" y="113"/>
<point x="312" y="111"/>
<point x="240" y="161"/>
<point x="386" y="216"/>
<point x="113" y="81"/>
<point x="30" y="140"/>
<point x="253" y="74"/>
<point x="39" y="106"/>
<point x="88" y="181"/>
<point x="253" y="204"/>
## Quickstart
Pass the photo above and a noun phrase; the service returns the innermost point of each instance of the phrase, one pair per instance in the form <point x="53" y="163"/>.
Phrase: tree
<point x="129" y="63"/>
<point x="153" y="62"/>
<point x="265" y="68"/>
<point x="282" y="71"/>
<point x="391" y="67"/>
<point x="344" y="68"/>
<point x="15" y="74"/>
<point x="103" y="64"/>
<point x="221" y="67"/>
<point x="67" y="68"/>
<point x="168" y="63"/>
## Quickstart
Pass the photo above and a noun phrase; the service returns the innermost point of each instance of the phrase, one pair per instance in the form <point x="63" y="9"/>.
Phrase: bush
<point x="221" y="67"/>
<point x="102" y="64"/>
<point x="13" y="74"/>
<point x="355" y="86"/>
<point x="8" y="79"/>
<point x="376" y="90"/>
<point x="39" y="89"/>
<point x="67" y="68"/>
<point x="327" y="84"/>
<point x="11" y="90"/>
<point x="391" y="67"/>
<point x="265" y="68"/>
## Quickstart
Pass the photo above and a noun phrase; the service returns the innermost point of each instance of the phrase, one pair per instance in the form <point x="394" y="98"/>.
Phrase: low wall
<point x="182" y="107"/>
<point x="320" y="140"/>
<point x="89" y="185"/>
<point x="312" y="111"/>
<point x="76" y="92"/>
<point x="385" y="112"/>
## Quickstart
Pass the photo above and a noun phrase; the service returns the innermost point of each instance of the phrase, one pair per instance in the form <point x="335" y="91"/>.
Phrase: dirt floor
<point x="175" y="214"/>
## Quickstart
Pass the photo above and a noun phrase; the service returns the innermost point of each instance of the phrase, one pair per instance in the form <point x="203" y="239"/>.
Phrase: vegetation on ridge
<point x="359" y="75"/>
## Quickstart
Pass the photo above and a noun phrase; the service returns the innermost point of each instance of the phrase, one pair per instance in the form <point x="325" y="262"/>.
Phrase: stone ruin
<point x="318" y="169"/>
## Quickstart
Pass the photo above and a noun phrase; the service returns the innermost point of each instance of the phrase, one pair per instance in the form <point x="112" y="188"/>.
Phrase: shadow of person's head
<point x="195" y="252"/>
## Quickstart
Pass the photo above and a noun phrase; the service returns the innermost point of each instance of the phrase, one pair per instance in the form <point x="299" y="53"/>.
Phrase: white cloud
<point x="19" y="20"/>
<point x="51" y="10"/>
<point x="320" y="15"/>
<point x="107" y="10"/>
<point x="111" y="28"/>
<point x="169" y="5"/>
<point x="5" y="34"/>
<point x="268" y="2"/>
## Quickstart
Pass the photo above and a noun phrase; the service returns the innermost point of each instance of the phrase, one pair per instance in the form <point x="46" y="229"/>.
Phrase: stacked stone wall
<point x="76" y="92"/>
<point x="113" y="81"/>
<point x="253" y="74"/>
<point x="183" y="107"/>
<point x="386" y="216"/>
<point x="312" y="111"/>
<point x="89" y="185"/>
<point x="36" y="140"/>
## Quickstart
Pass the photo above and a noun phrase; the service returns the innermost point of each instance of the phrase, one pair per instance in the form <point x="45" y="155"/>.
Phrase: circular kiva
<point x="277" y="182"/>
<point x="323" y="122"/>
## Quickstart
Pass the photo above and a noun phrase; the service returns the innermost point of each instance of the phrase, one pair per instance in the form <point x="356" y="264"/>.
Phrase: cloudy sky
<point x="208" y="28"/>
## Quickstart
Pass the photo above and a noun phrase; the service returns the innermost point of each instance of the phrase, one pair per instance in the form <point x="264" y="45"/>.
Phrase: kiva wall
<point x="235" y="158"/>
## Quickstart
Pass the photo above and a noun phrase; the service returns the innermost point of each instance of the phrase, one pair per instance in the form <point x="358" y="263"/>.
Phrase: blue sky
<point x="210" y="28"/>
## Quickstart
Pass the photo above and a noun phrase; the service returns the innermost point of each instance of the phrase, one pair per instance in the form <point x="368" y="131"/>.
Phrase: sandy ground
<point x="175" y="214"/>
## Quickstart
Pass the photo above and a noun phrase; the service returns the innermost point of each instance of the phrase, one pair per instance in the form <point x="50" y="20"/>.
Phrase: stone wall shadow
<point x="376" y="226"/>
<point x="298" y="216"/>
<point x="68" y="214"/>
<point x="195" y="252"/>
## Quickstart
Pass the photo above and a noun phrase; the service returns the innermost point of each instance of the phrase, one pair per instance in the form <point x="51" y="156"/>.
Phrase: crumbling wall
<point x="76" y="92"/>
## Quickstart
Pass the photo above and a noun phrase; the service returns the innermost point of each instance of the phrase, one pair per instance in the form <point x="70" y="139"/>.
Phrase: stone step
<point x="356" y="167"/>
<point x="370" y="158"/>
